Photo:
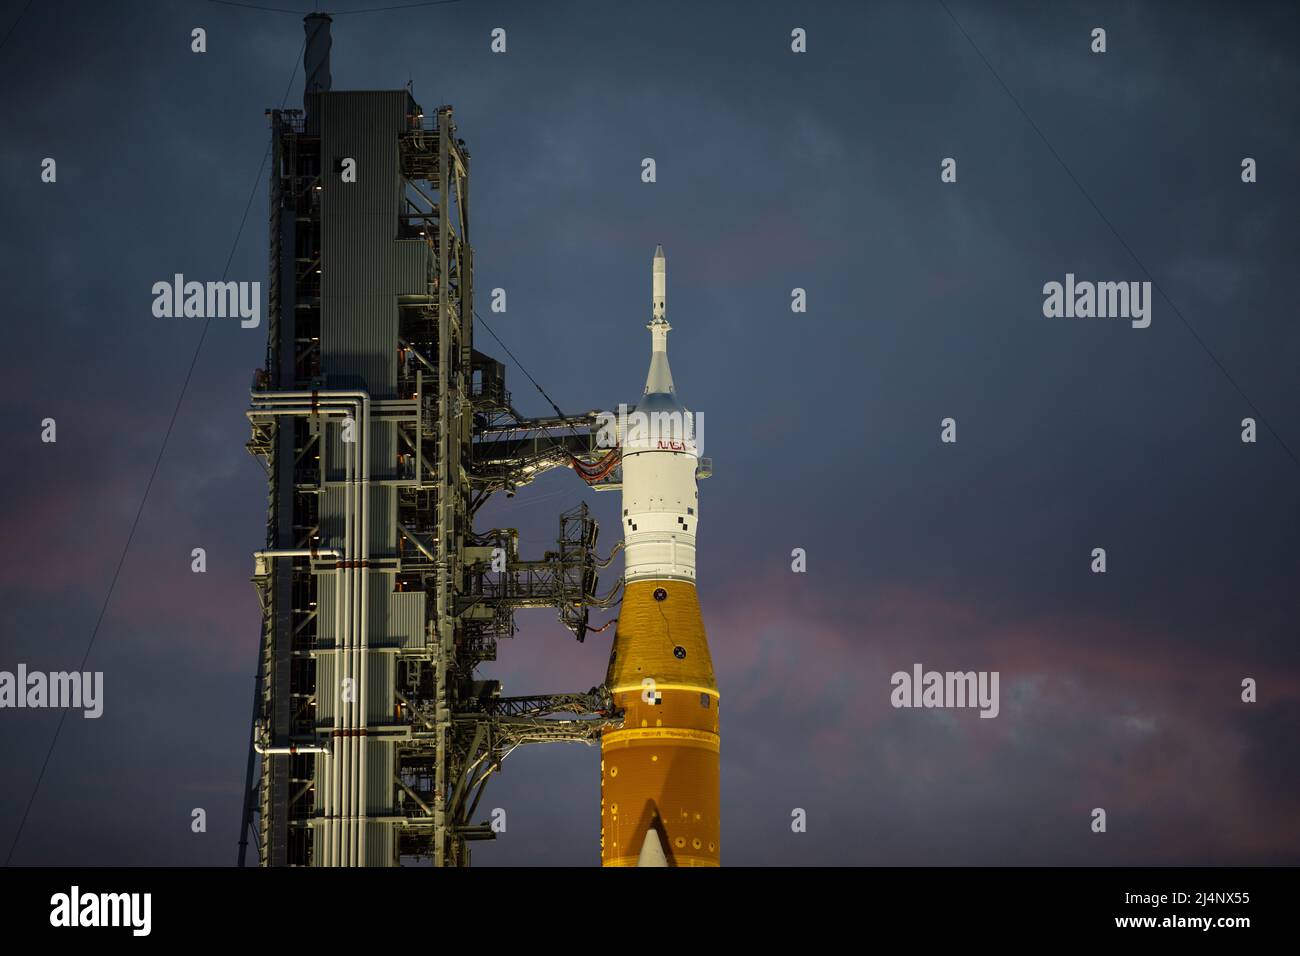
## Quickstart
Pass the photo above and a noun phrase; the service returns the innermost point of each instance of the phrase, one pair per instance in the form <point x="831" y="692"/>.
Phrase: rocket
<point x="659" y="772"/>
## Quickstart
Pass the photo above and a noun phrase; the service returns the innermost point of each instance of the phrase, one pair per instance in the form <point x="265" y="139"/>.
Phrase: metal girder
<point x="457" y="439"/>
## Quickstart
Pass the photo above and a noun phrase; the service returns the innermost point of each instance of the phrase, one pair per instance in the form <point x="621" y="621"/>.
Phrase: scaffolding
<point x="372" y="572"/>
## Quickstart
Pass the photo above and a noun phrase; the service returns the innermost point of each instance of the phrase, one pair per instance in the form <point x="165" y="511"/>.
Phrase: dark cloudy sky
<point x="775" y="171"/>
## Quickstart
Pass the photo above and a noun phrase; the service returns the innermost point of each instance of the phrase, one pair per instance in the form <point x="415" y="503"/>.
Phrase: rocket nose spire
<point x="660" y="379"/>
<point x="659" y="286"/>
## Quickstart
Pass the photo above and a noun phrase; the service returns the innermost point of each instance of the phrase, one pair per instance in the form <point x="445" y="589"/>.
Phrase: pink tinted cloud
<point x="1148" y="722"/>
<point x="63" y="534"/>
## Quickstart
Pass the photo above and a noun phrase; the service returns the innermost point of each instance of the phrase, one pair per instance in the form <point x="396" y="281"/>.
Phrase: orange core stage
<point x="660" y="771"/>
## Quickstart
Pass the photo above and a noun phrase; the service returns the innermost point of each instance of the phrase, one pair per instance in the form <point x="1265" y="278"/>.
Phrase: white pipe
<point x="328" y="772"/>
<point x="344" y="839"/>
<point x="345" y="664"/>
<point x="298" y="553"/>
<point x="291" y="749"/>
<point x="334" y="839"/>
<point x="340" y="639"/>
<point x="363" y="632"/>
<point x="356" y="576"/>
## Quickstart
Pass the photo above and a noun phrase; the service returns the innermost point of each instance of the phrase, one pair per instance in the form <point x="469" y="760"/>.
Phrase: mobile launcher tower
<point x="383" y="431"/>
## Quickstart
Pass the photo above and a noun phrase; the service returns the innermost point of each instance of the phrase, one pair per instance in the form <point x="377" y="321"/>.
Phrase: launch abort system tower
<point x="383" y="431"/>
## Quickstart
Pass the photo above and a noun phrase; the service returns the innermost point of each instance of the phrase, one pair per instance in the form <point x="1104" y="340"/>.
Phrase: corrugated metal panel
<point x="406" y="618"/>
<point x="363" y="266"/>
<point x="379" y="688"/>
<point x="325" y="691"/>
<point x="331" y="516"/>
<point x="397" y="619"/>
<point x="383" y="451"/>
<point x="379" y="778"/>
<point x="383" y="519"/>
<point x="383" y="498"/>
<point x="326" y="591"/>
<point x="379" y="845"/>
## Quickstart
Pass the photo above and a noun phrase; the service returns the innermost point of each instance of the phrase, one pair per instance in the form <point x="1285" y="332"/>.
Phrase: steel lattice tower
<point x="383" y="431"/>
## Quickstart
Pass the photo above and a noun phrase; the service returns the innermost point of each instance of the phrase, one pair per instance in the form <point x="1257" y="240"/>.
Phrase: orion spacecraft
<point x="659" y="772"/>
